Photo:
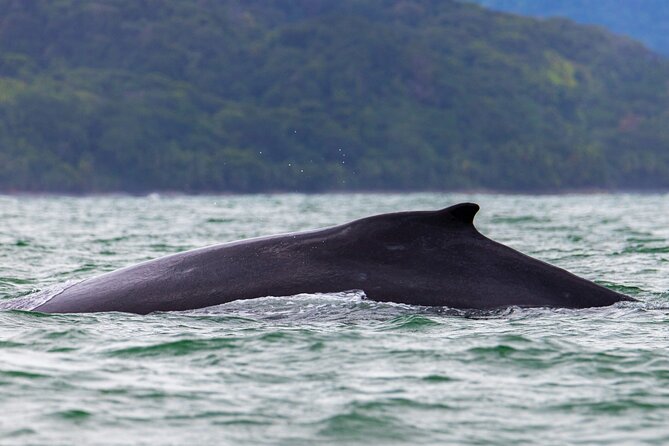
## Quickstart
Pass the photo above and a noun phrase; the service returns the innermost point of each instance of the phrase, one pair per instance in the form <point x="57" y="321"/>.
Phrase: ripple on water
<point x="410" y="322"/>
<point x="73" y="415"/>
<point x="360" y="425"/>
<point x="177" y="348"/>
<point x="645" y="249"/>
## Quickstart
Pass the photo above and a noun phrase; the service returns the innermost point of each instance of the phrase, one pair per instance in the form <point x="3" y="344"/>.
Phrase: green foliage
<point x="312" y="95"/>
<point x="644" y="20"/>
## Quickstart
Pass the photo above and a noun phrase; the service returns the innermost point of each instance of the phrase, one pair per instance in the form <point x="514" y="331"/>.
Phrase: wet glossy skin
<point x="423" y="258"/>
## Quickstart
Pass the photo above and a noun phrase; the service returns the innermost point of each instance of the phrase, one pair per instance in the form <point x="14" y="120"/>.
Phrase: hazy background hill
<point x="645" y="20"/>
<point x="250" y="95"/>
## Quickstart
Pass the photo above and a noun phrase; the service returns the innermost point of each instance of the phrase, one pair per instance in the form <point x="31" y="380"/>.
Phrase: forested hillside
<point x="645" y="20"/>
<point x="311" y="95"/>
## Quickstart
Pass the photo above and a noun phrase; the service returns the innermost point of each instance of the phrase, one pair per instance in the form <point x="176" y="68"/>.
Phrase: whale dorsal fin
<point x="462" y="213"/>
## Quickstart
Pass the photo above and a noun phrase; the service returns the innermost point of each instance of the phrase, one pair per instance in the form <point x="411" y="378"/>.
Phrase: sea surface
<point x="332" y="368"/>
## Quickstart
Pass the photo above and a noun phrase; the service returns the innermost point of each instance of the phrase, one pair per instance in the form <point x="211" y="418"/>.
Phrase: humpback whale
<point x="434" y="258"/>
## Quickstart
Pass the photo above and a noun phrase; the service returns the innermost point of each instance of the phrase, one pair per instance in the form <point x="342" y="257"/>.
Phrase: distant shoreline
<point x="172" y="193"/>
<point x="336" y="97"/>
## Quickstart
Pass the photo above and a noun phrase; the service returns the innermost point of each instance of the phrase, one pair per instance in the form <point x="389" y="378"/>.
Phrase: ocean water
<point x="332" y="369"/>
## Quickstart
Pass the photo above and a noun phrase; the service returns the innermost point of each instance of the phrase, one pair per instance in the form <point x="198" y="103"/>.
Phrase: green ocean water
<point x="332" y="369"/>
